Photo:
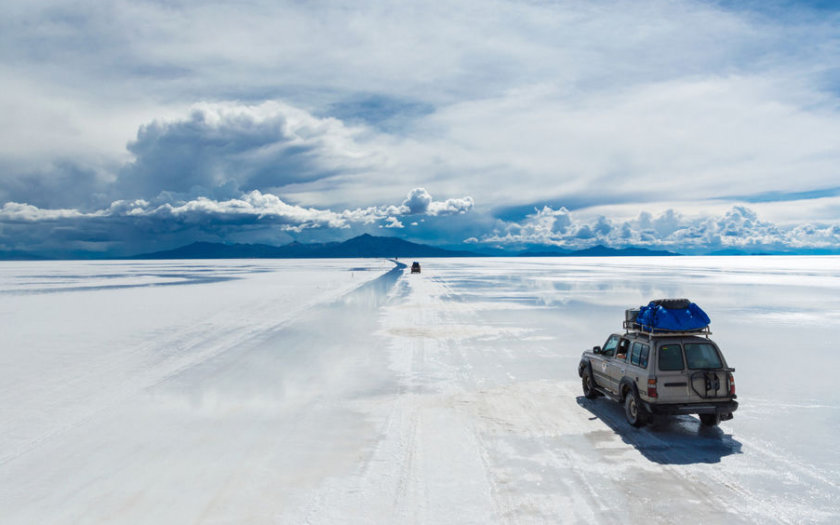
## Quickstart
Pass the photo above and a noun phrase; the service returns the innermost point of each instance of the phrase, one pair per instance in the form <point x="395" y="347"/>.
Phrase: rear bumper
<point x="715" y="407"/>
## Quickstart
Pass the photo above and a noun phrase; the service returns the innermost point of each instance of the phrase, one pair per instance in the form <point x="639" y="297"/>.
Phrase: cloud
<point x="19" y="212"/>
<point x="420" y="202"/>
<point x="339" y="109"/>
<point x="595" y="100"/>
<point x="451" y="206"/>
<point x="233" y="147"/>
<point x="254" y="209"/>
<point x="249" y="209"/>
<point x="739" y="227"/>
<point x="253" y="205"/>
<point x="393" y="222"/>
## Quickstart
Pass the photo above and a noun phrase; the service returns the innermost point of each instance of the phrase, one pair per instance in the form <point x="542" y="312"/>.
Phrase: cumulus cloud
<point x="255" y="205"/>
<point x="21" y="212"/>
<point x="251" y="209"/>
<point x="451" y="206"/>
<point x="740" y="227"/>
<point x="254" y="208"/>
<point x="230" y="147"/>
<point x="420" y="202"/>
<point x="393" y="222"/>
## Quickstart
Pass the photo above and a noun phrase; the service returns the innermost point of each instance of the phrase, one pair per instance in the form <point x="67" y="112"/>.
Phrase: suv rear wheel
<point x="709" y="420"/>
<point x="632" y="410"/>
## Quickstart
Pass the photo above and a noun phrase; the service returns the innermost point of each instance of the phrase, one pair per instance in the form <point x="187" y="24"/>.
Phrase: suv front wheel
<point x="589" y="391"/>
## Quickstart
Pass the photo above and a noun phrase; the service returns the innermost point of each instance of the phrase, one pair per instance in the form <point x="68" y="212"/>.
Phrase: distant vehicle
<point x="415" y="267"/>
<point x="664" y="363"/>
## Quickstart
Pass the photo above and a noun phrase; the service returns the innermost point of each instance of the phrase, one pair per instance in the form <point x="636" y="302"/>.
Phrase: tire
<point x="709" y="420"/>
<point x="673" y="304"/>
<point x="633" y="410"/>
<point x="589" y="391"/>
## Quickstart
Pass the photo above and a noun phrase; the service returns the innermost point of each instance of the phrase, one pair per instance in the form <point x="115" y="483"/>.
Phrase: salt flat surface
<point x="352" y="391"/>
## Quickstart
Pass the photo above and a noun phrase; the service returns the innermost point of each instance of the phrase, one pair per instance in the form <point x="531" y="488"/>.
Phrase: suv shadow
<point x="675" y="440"/>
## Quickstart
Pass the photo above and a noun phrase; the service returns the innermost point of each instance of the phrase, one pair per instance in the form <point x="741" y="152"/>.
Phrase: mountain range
<point x="367" y="246"/>
<point x="358" y="247"/>
<point x="362" y="246"/>
<point x="596" y="251"/>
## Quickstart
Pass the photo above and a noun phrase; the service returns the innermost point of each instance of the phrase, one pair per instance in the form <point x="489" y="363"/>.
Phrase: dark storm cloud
<point x="60" y="184"/>
<point x="234" y="148"/>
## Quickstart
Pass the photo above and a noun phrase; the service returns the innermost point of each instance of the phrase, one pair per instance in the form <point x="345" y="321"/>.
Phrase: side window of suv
<point x="622" y="350"/>
<point x="635" y="353"/>
<point x="609" y="346"/>
<point x="670" y="357"/>
<point x="643" y="356"/>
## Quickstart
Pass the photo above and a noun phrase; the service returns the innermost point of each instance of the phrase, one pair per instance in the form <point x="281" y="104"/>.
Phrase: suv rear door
<point x="691" y="371"/>
<point x="671" y="376"/>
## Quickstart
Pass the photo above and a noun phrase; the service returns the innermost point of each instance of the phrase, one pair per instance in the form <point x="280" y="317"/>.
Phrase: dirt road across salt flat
<point x="488" y="424"/>
<point x="445" y="397"/>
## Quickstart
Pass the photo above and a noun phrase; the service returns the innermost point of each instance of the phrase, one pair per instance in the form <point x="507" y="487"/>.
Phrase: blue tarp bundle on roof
<point x="656" y="317"/>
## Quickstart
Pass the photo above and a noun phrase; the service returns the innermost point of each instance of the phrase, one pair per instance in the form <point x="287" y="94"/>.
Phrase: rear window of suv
<point x="670" y="357"/>
<point x="702" y="355"/>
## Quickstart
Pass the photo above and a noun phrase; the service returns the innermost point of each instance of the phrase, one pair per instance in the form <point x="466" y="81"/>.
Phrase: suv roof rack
<point x="634" y="327"/>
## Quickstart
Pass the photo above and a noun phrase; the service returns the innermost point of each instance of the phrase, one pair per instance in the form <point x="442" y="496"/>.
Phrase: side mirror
<point x="596" y="349"/>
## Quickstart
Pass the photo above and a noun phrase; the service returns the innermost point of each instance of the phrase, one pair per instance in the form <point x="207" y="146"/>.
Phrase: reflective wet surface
<point x="354" y="391"/>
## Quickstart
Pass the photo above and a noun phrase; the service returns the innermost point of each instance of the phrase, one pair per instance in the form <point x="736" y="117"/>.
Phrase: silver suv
<point x="661" y="372"/>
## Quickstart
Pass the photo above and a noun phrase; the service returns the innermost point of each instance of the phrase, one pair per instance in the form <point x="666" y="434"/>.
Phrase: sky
<point x="687" y="125"/>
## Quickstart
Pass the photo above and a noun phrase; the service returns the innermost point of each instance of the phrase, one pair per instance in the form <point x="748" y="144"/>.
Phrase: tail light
<point x="652" y="388"/>
<point x="731" y="385"/>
